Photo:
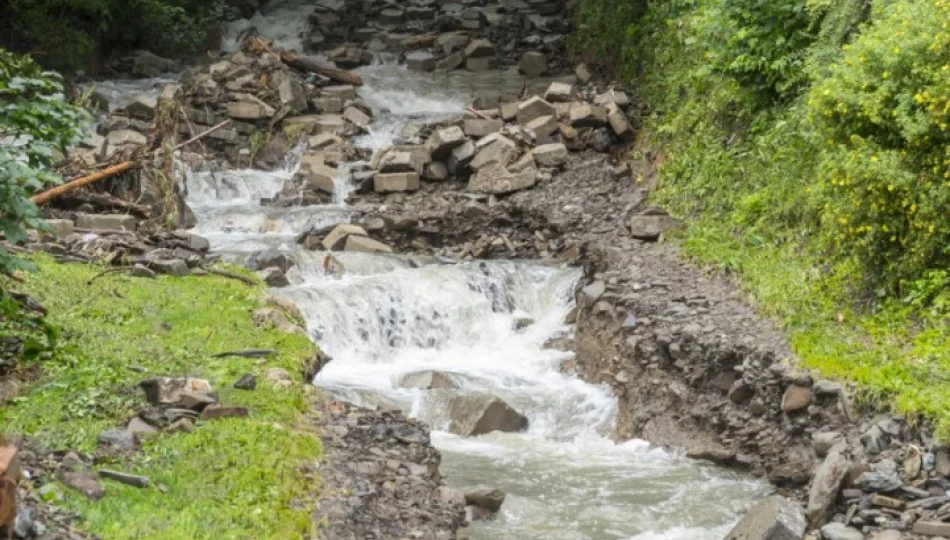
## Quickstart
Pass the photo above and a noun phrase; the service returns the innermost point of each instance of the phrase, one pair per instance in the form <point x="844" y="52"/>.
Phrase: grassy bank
<point x="806" y="143"/>
<point x="232" y="478"/>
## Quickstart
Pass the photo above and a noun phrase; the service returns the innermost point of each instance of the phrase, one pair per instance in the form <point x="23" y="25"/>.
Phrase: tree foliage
<point x="67" y="34"/>
<point x="36" y="120"/>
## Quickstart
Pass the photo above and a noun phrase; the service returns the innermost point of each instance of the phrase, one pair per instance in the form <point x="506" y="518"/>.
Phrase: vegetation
<point x="235" y="478"/>
<point x="70" y="34"/>
<point x="807" y="142"/>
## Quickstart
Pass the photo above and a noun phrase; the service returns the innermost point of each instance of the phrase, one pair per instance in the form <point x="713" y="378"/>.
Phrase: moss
<point x="230" y="478"/>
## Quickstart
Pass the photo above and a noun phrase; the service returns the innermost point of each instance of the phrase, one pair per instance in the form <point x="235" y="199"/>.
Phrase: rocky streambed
<point x="463" y="235"/>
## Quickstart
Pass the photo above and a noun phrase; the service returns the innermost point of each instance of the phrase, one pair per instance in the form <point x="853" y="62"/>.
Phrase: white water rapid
<point x="393" y="315"/>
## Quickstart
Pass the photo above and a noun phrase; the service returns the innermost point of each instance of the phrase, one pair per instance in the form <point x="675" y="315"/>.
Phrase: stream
<point x="391" y="315"/>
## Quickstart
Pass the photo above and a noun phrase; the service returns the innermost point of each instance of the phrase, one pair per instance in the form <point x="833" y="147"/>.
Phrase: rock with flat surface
<point x="142" y="107"/>
<point x="270" y="258"/>
<point x="86" y="483"/>
<point x="550" y="155"/>
<point x="247" y="110"/>
<point x="170" y="267"/>
<point x="497" y="179"/>
<point x="216" y="412"/>
<point x="533" y="64"/>
<point x="535" y="107"/>
<point x="117" y="438"/>
<point x="480" y="48"/>
<point x="620" y="125"/>
<point x="107" y="222"/>
<point x="355" y="116"/>
<point x="394" y="182"/>
<point x="478" y="414"/>
<point x="364" y="244"/>
<point x="796" y="398"/>
<point x="775" y="518"/>
<point x="478" y="128"/>
<point x="542" y="126"/>
<point x="558" y="92"/>
<point x="493" y="149"/>
<point x="338" y="235"/>
<point x="177" y="391"/>
<point x="840" y="531"/>
<point x="443" y="141"/>
<point x="450" y="62"/>
<point x="421" y="61"/>
<point x="481" y="65"/>
<point x="825" y="485"/>
<point x="650" y="226"/>
<point x="427" y="380"/>
<point x="486" y="499"/>
<point x="587" y="115"/>
<point x="273" y="277"/>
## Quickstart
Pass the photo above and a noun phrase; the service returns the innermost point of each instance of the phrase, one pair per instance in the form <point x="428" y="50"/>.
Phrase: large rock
<point x="619" y="123"/>
<point x="120" y="138"/>
<point x="874" y="481"/>
<point x="796" y="398"/>
<point x="355" y="116"/>
<point x="587" y="115"/>
<point x="775" y="518"/>
<point x="443" y="141"/>
<point x="318" y="175"/>
<point x="427" y="380"/>
<point x="107" y="222"/>
<point x="478" y="414"/>
<point x="247" y="110"/>
<point x="494" y="149"/>
<point x="535" y="108"/>
<point x="542" y="126"/>
<point x="649" y="226"/>
<point x="840" y="531"/>
<point x="338" y="235"/>
<point x="420" y="61"/>
<point x="478" y="128"/>
<point x="461" y="157"/>
<point x="489" y="500"/>
<point x="152" y="65"/>
<point x="450" y="62"/>
<point x="558" y="92"/>
<point x="480" y="65"/>
<point x="533" y="64"/>
<point x="178" y="392"/>
<point x="365" y="244"/>
<point x="497" y="179"/>
<point x="550" y="155"/>
<point x="825" y="486"/>
<point x="388" y="183"/>
<point x="269" y="258"/>
<point x="142" y="107"/>
<point x="480" y="48"/>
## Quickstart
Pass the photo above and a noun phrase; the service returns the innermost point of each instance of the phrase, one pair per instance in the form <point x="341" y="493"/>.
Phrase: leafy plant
<point x="36" y="120"/>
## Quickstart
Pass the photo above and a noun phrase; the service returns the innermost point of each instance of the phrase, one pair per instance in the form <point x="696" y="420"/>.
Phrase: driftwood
<point x="107" y="201"/>
<point x="232" y="275"/>
<point x="72" y="185"/>
<point x="477" y="113"/>
<point x="313" y="65"/>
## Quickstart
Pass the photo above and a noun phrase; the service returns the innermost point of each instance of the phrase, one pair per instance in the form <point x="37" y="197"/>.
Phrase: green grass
<point x="894" y="353"/>
<point x="235" y="478"/>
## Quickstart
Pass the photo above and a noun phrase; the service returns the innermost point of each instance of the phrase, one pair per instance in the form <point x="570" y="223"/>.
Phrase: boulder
<point x="273" y="277"/>
<point x="269" y="258"/>
<point x="450" y="62"/>
<point x="388" y="183"/>
<point x="509" y="111"/>
<point x="142" y="107"/>
<point x="825" y="442"/>
<point x="107" y="222"/>
<point x="478" y="414"/>
<point x="775" y="518"/>
<point x="650" y="226"/>
<point x="558" y="92"/>
<point x="550" y="155"/>
<point x="356" y="116"/>
<point x="480" y="48"/>
<point x="427" y="380"/>
<point x="328" y="104"/>
<point x="338" y="235"/>
<point x="480" y="65"/>
<point x="61" y="228"/>
<point x="534" y="108"/>
<point x="398" y="162"/>
<point x="533" y="64"/>
<point x="246" y="110"/>
<point x="840" y="531"/>
<point x="874" y="481"/>
<point x="582" y="72"/>
<point x="170" y="267"/>
<point x="587" y="115"/>
<point x="178" y="392"/>
<point x="443" y="141"/>
<point x="318" y="175"/>
<point x="436" y="172"/>
<point x="489" y="500"/>
<point x="620" y="125"/>
<point x="420" y="61"/>
<point x="496" y="179"/>
<point x="125" y="137"/>
<point x="343" y="91"/>
<point x="452" y="41"/>
<point x="495" y="148"/>
<point x="84" y="482"/>
<point x="478" y="128"/>
<point x="543" y="126"/>
<point x="147" y="64"/>
<point x="461" y="157"/>
<point x="364" y="244"/>
<point x="796" y="398"/>
<point x="825" y="486"/>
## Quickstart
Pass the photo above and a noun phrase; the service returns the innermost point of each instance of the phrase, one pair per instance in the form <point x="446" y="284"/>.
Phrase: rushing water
<point x="393" y="315"/>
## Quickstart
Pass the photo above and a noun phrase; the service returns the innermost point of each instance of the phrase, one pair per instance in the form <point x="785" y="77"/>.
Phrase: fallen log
<point x="46" y="196"/>
<point x="305" y="63"/>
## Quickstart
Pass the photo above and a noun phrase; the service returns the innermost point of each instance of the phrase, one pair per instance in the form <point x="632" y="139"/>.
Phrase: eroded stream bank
<point x="504" y="286"/>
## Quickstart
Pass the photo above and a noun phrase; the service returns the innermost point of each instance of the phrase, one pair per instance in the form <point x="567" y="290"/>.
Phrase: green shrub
<point x="883" y="112"/>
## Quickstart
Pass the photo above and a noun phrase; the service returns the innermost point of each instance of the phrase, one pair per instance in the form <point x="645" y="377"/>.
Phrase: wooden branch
<point x="108" y="201"/>
<point x="203" y="134"/>
<point x="478" y="113"/>
<point x="108" y="271"/>
<point x="232" y="275"/>
<point x="313" y="65"/>
<point x="46" y="196"/>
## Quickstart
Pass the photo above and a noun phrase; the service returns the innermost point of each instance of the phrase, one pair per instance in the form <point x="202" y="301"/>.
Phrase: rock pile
<point x="382" y="478"/>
